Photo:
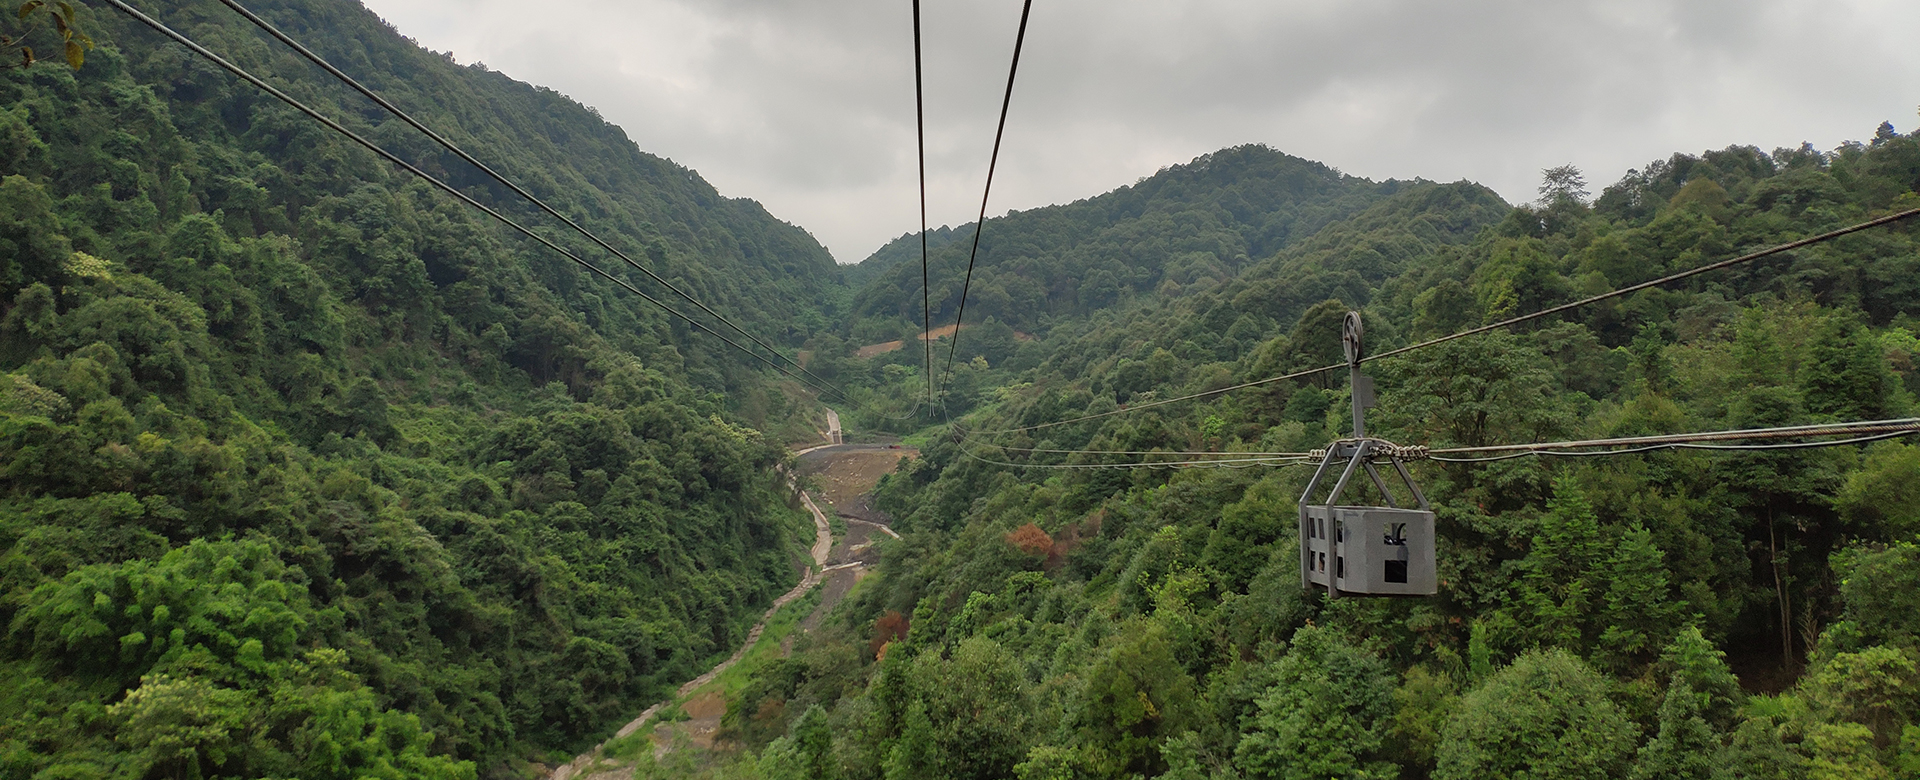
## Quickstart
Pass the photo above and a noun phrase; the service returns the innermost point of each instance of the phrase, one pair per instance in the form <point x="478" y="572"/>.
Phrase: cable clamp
<point x="1405" y="451"/>
<point x="1380" y="447"/>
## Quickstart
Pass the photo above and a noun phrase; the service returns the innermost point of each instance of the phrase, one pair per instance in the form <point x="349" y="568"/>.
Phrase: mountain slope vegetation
<point x="1666" y="614"/>
<point x="311" y="471"/>
<point x="1187" y="232"/>
<point x="1187" y="225"/>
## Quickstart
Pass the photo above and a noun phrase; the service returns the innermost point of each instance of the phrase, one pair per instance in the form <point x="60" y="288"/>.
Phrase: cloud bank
<point x="808" y="107"/>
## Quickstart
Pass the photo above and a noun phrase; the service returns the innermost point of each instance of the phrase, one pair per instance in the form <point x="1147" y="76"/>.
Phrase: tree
<point x="1757" y="752"/>
<point x="1878" y="687"/>
<point x="1518" y="277"/>
<point x="1546" y="716"/>
<point x="1639" y="611"/>
<point x="1846" y="376"/>
<point x="184" y="727"/>
<point x="1685" y="746"/>
<point x="1699" y="706"/>
<point x="1325" y="715"/>
<point x="1562" y="575"/>
<point x="1563" y="199"/>
<point x="1881" y="591"/>
<point x="914" y="754"/>
<point x="1693" y="660"/>
<point x="1422" y="706"/>
<point x="1882" y="498"/>
<point x="1491" y="388"/>
<point x="976" y="713"/>
<point x="1562" y="183"/>
<point x="1315" y="338"/>
<point x="1137" y="695"/>
<point x="813" y="741"/>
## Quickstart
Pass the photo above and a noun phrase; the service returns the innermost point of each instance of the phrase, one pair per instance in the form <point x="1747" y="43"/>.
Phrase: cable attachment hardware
<point x="1406" y="451"/>
<point x="1351" y="332"/>
<point x="1380" y="447"/>
<point x="1366" y="550"/>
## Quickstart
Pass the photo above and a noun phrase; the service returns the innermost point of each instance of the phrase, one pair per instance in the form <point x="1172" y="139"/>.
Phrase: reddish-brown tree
<point x="891" y="627"/>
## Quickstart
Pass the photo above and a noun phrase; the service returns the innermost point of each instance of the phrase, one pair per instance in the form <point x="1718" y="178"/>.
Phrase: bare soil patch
<point x="859" y="536"/>
<point x="846" y="473"/>
<point x="703" y="720"/>
<point x="941" y="332"/>
<point x="838" y="584"/>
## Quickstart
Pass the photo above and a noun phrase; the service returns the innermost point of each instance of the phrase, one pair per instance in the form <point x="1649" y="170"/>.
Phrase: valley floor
<point x="847" y="474"/>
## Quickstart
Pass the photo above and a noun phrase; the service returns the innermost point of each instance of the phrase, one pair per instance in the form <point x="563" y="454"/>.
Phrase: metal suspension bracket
<point x="1359" y="550"/>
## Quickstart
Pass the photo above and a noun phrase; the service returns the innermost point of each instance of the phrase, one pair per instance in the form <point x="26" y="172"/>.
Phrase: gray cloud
<point x="808" y="107"/>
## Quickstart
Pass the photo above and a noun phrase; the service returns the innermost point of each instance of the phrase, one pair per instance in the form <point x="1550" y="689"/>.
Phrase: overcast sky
<point x="807" y="107"/>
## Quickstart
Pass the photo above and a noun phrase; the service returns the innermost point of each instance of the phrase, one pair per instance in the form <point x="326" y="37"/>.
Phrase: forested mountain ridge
<point x="308" y="470"/>
<point x="1196" y="223"/>
<point x="1745" y="614"/>
<point x="1226" y="246"/>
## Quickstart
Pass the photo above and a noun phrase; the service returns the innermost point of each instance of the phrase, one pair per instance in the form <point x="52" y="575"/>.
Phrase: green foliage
<point x="1621" y="592"/>
<point x="1684" y="745"/>
<point x="311" y="472"/>
<point x="1187" y="228"/>
<point x="1882" y="498"/>
<point x="1695" y="714"/>
<point x="975" y="712"/>
<point x="74" y="44"/>
<point x="1881" y="589"/>
<point x="1546" y="716"/>
<point x="1326" y="714"/>
<point x="1422" y="705"/>
<point x="1137" y="696"/>
<point x="308" y="472"/>
<point x="1877" y="687"/>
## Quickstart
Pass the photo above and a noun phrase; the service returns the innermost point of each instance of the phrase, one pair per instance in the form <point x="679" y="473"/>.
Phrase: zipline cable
<point x="1139" y="452"/>
<point x="926" y="304"/>
<point x="503" y="180"/>
<point x="1877" y="429"/>
<point x="1749" y="257"/>
<point x="1006" y="102"/>
<point x="236" y="70"/>
<point x="1674" y="277"/>
<point x="1902" y="425"/>
<point x="920" y="134"/>
<point x="1874" y="430"/>
<point x="1679" y="446"/>
<point x="1178" y="464"/>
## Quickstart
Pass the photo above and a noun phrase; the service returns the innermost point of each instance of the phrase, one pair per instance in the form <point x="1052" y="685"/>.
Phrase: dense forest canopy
<point x="1661" y="615"/>
<point x="312" y="471"/>
<point x="1188" y="226"/>
<point x="307" y="470"/>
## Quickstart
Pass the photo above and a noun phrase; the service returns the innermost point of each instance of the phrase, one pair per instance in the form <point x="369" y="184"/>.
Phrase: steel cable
<point x="504" y="181"/>
<point x="242" y="73"/>
<point x="1877" y="430"/>
<point x="1749" y="257"/>
<point x="980" y="224"/>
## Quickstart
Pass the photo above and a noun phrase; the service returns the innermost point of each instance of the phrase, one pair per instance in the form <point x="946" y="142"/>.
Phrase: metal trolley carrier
<point x="1366" y="550"/>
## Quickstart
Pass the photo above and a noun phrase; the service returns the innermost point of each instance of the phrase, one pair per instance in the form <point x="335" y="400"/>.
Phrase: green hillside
<point x="311" y="471"/>
<point x="1189" y="225"/>
<point x="308" y="470"/>
<point x="1669" y="614"/>
<point x="1188" y="233"/>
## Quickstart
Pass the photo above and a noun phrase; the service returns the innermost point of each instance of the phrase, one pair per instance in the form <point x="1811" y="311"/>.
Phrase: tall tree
<point x="1546" y="716"/>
